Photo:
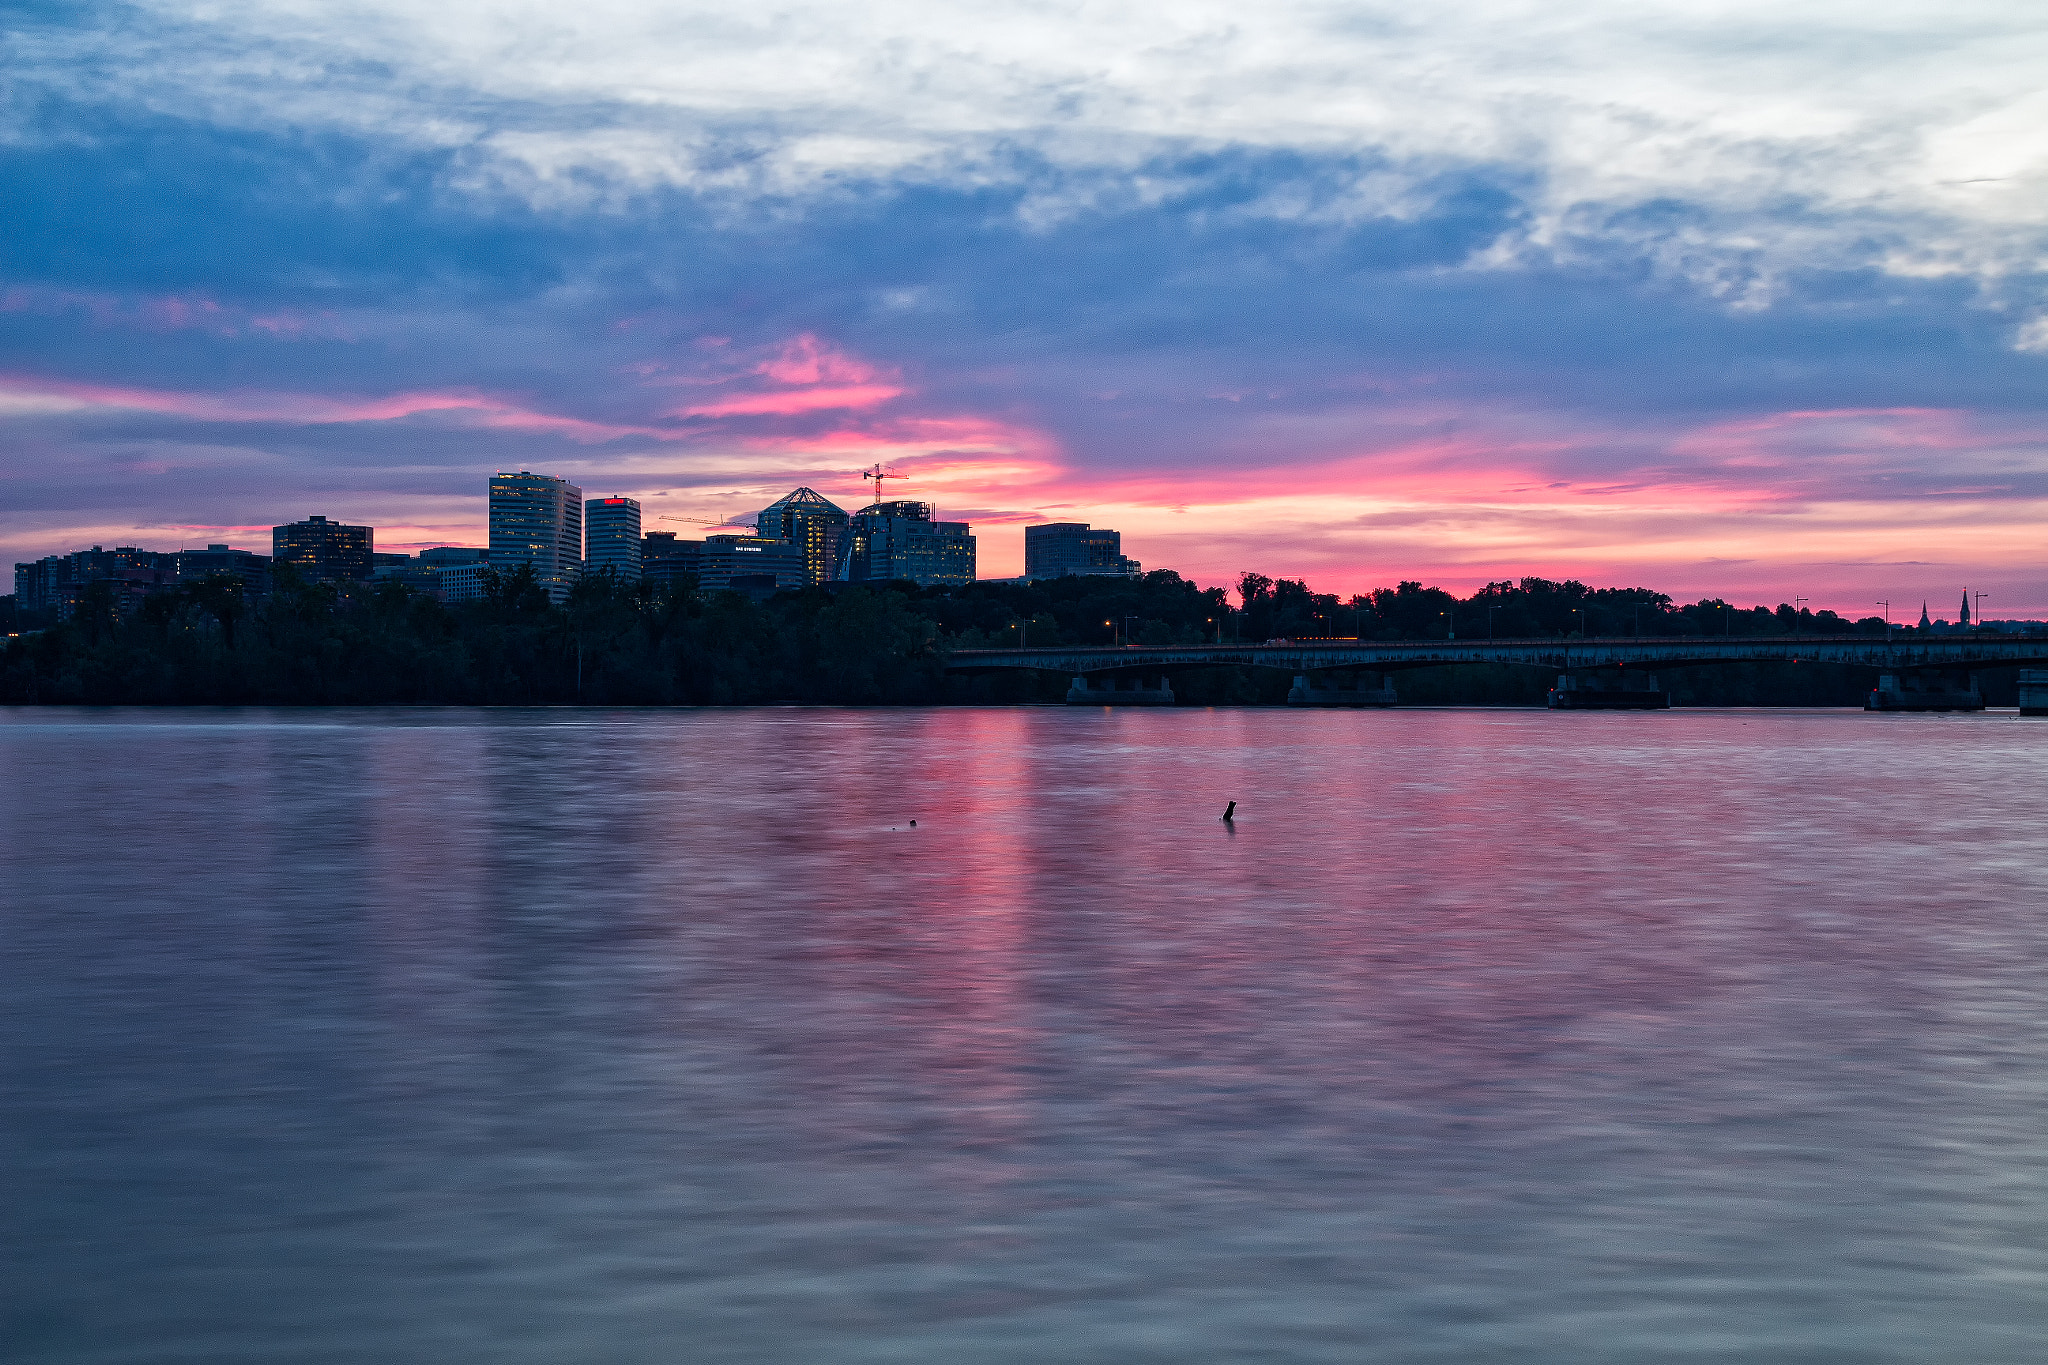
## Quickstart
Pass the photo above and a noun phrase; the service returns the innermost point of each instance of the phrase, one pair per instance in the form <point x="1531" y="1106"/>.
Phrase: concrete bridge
<point x="1917" y="672"/>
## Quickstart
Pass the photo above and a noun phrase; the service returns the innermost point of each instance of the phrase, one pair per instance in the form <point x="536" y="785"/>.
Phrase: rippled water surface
<point x="564" y="1035"/>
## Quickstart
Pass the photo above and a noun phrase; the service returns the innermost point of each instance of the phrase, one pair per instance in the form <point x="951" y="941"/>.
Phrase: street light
<point x="1795" y="613"/>
<point x="1886" y="604"/>
<point x="1489" y="621"/>
<point x="1452" y="628"/>
<point x="1112" y="633"/>
<point x="1023" y="630"/>
<point x="1979" y="620"/>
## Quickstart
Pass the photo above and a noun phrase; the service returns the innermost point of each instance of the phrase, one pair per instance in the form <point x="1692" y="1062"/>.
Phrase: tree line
<point x="612" y="642"/>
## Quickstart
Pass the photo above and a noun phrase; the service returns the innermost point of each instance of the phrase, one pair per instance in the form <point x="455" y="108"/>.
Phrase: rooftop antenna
<point x="878" y="474"/>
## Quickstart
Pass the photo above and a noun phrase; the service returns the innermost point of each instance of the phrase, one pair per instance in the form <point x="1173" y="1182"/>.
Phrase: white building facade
<point x="538" y="520"/>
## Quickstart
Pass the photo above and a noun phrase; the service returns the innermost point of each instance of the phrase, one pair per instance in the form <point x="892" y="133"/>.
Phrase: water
<point x="552" y="1036"/>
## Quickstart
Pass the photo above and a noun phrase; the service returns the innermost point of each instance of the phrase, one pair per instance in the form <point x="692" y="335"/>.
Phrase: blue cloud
<point x="1192" y="308"/>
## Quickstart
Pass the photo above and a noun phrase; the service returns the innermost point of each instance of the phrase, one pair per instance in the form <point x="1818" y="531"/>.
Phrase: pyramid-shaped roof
<point x="805" y="500"/>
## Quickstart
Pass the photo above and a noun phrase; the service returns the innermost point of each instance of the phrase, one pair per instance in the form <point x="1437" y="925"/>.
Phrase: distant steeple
<point x="1924" y="622"/>
<point x="1965" y="617"/>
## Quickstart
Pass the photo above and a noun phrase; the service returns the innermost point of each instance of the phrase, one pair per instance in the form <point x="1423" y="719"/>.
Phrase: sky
<point x="1726" y="299"/>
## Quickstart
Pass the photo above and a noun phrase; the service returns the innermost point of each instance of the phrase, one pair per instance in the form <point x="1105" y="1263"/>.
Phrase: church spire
<point x="1924" y="622"/>
<point x="1965" y="617"/>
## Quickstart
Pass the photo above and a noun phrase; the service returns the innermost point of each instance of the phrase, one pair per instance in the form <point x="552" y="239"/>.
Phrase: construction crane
<point x="704" y="521"/>
<point x="878" y="474"/>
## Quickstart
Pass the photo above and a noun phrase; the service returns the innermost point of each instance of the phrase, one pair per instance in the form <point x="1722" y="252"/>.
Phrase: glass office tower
<point x="538" y="520"/>
<point x="808" y="519"/>
<point x="611" y="537"/>
<point x="1059" y="548"/>
<point x="899" y="540"/>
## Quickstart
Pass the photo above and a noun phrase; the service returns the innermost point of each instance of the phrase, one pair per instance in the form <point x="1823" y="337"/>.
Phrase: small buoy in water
<point x="1229" y="811"/>
<point x="913" y="824"/>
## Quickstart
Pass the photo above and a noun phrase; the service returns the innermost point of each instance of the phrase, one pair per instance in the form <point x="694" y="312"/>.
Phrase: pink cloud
<point x="319" y="409"/>
<point x="806" y="360"/>
<point x="793" y="402"/>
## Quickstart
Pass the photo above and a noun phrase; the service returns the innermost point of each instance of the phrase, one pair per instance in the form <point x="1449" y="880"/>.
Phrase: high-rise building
<point x="324" y="551"/>
<point x="538" y="520"/>
<point x="611" y="537"/>
<point x="666" y="561"/>
<point x="250" y="568"/>
<point x="897" y="540"/>
<point x="1059" y="548"/>
<point x="808" y="519"/>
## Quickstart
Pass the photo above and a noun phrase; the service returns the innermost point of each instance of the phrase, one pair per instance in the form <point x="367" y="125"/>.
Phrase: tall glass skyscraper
<point x="611" y="537"/>
<point x="538" y="520"/>
<point x="811" y="520"/>
<point x="899" y="540"/>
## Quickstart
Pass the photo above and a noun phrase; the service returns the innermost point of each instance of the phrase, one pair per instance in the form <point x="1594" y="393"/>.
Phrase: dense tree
<point x="612" y="642"/>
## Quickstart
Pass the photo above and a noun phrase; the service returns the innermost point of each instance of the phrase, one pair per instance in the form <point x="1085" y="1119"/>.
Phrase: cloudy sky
<point x="1743" y="298"/>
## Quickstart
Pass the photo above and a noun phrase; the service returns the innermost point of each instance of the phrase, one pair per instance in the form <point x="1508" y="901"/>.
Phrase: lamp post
<point x="1795" y="613"/>
<point x="1979" y="620"/>
<point x="1886" y="604"/>
<point x="1451" y="628"/>
<point x="1112" y="633"/>
<point x="1489" y="621"/>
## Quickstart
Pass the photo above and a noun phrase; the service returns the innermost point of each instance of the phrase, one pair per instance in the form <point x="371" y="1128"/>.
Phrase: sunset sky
<point x="1743" y="299"/>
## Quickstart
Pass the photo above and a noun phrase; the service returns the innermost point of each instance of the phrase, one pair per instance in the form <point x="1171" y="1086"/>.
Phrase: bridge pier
<point x="1366" y="689"/>
<point x="1945" y="689"/>
<point x="1114" y="692"/>
<point x="1608" y="689"/>
<point x="2034" y="691"/>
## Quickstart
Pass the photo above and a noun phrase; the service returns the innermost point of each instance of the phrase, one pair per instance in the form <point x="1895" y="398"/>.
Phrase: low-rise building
<point x="247" y="567"/>
<point x="755" y="565"/>
<point x="413" y="573"/>
<point x="458" y="583"/>
<point x="56" y="584"/>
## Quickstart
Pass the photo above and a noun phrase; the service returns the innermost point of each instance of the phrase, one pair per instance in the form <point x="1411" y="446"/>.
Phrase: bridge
<point x="1916" y="672"/>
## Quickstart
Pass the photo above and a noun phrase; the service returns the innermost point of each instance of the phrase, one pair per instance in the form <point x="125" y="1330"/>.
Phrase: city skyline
<point x="626" y="511"/>
<point x="1744" y="302"/>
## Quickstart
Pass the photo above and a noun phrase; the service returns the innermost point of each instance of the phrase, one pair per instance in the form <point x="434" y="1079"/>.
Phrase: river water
<point x="662" y="1036"/>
